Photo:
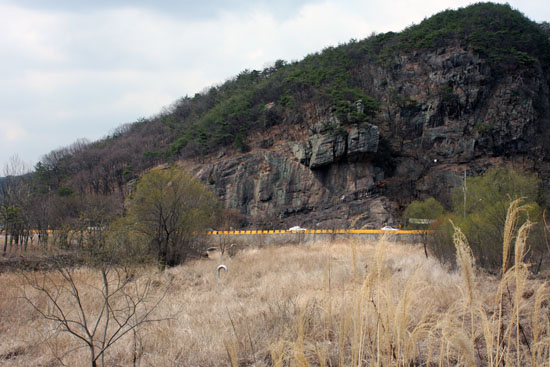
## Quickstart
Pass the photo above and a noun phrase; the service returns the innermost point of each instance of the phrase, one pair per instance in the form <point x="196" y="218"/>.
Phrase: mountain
<point x="348" y="136"/>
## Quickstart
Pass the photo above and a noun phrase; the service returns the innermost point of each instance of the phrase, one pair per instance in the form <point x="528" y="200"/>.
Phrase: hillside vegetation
<point x="290" y="93"/>
<point x="332" y="77"/>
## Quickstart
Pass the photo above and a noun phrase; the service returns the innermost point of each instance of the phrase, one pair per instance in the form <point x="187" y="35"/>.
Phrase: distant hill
<point x="349" y="135"/>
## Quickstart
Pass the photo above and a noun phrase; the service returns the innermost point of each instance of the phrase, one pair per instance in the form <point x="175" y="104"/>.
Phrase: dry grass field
<point x="345" y="303"/>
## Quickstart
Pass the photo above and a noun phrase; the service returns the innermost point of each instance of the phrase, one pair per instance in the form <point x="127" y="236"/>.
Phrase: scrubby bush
<point x="479" y="209"/>
<point x="429" y="209"/>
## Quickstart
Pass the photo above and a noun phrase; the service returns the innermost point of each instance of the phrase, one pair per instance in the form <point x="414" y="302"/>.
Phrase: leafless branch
<point x="127" y="304"/>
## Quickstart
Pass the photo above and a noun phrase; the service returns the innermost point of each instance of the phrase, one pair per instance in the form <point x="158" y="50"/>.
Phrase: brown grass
<point x="346" y="303"/>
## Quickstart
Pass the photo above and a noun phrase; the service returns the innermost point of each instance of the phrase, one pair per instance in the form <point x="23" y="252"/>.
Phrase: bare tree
<point x="230" y="219"/>
<point x="15" y="201"/>
<point x="65" y="297"/>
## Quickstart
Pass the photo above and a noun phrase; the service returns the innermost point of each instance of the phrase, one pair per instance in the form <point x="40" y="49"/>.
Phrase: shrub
<point x="429" y="209"/>
<point x="168" y="211"/>
<point x="480" y="208"/>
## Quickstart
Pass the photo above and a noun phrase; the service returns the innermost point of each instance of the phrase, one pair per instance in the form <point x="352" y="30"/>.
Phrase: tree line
<point x="157" y="219"/>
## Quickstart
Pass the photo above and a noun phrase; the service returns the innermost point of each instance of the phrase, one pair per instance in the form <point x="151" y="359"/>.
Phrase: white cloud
<point x="11" y="133"/>
<point x="28" y="36"/>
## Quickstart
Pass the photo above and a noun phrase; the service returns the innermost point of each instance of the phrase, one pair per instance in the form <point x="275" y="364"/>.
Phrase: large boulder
<point x="326" y="146"/>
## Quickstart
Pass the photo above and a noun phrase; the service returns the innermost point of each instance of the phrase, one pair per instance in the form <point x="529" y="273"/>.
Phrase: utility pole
<point x="464" y="191"/>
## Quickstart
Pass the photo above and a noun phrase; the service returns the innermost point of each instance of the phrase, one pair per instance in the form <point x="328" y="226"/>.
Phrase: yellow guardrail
<point x="307" y="231"/>
<point x="320" y="231"/>
<point x="35" y="231"/>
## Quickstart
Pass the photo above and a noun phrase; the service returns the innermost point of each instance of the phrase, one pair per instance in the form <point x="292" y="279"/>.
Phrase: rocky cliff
<point x="325" y="181"/>
<point x="441" y="113"/>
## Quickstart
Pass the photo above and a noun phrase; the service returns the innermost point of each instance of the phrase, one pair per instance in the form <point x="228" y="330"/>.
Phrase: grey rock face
<point x="326" y="146"/>
<point x="441" y="112"/>
<point x="449" y="111"/>
<point x="302" y="151"/>
<point x="274" y="190"/>
<point x="322" y="150"/>
<point x="362" y="140"/>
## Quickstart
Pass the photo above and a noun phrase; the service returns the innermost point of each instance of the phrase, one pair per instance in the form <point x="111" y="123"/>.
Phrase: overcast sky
<point x="75" y="69"/>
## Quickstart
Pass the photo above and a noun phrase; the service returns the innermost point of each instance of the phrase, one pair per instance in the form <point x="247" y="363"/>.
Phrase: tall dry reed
<point x="393" y="319"/>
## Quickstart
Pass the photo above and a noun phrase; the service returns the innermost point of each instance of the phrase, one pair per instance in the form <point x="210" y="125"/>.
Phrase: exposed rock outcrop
<point x="328" y="145"/>
<point x="274" y="189"/>
<point x="442" y="113"/>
